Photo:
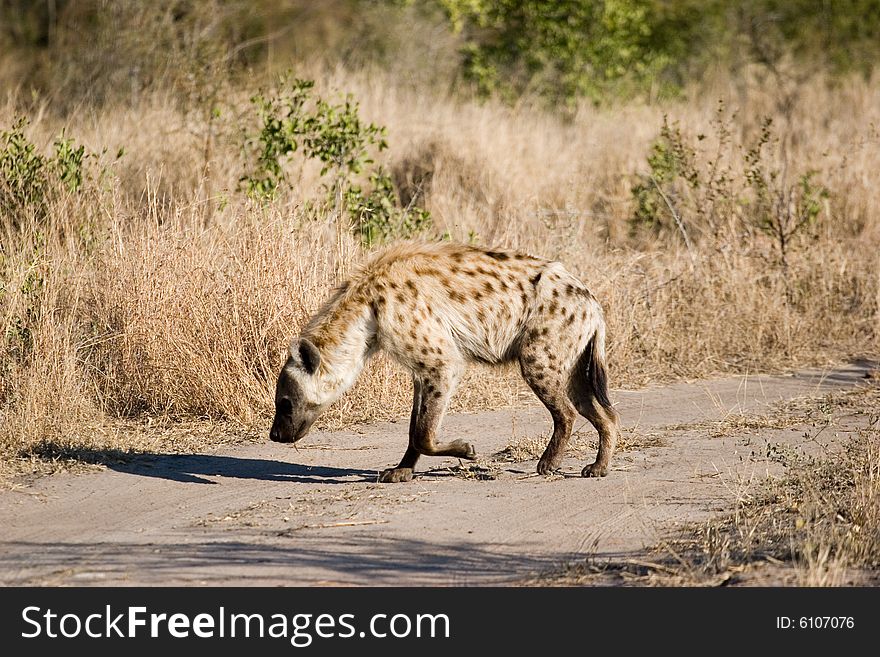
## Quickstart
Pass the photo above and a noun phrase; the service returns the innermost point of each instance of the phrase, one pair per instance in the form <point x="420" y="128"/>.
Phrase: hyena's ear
<point x="310" y="356"/>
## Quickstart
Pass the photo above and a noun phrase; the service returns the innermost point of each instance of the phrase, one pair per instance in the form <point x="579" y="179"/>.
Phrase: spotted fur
<point x="437" y="307"/>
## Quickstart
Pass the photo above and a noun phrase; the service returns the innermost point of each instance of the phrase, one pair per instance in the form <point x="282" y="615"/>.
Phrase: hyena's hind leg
<point x="431" y="393"/>
<point x="548" y="382"/>
<point x="606" y="422"/>
<point x="589" y="393"/>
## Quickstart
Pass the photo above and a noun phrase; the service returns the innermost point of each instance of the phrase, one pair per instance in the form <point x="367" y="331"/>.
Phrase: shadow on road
<point x="352" y="557"/>
<point x="193" y="468"/>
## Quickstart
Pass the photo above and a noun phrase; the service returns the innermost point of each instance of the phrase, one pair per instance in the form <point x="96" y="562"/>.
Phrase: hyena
<point x="437" y="307"/>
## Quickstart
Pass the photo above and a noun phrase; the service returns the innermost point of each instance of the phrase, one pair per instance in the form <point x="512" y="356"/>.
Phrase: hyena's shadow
<point x="194" y="468"/>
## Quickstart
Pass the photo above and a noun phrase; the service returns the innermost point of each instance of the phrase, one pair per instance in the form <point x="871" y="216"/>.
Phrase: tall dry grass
<point x="163" y="292"/>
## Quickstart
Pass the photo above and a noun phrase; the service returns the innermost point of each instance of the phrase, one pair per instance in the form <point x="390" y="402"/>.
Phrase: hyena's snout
<point x="291" y="427"/>
<point x="277" y="434"/>
<point x="284" y="431"/>
<point x="294" y="411"/>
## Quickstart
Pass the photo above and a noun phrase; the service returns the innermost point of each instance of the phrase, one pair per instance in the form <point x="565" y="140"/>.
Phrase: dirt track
<point x="268" y="514"/>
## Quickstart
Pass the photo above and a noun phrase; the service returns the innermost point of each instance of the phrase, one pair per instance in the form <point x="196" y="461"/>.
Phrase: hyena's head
<point x="297" y="405"/>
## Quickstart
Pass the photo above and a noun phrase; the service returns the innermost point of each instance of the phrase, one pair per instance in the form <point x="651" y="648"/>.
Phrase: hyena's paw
<point x="594" y="470"/>
<point x="548" y="466"/>
<point x="395" y="475"/>
<point x="464" y="450"/>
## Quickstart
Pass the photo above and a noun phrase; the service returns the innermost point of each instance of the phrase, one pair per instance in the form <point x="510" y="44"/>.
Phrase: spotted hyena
<point x="437" y="307"/>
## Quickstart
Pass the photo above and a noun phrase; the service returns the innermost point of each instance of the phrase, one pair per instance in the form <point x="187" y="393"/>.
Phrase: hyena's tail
<point x="588" y="391"/>
<point x="590" y="375"/>
<point x="598" y="368"/>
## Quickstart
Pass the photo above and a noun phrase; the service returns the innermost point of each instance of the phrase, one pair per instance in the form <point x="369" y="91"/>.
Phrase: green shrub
<point x="560" y="50"/>
<point x="30" y="180"/>
<point x="292" y="119"/>
<point x="728" y="194"/>
<point x="376" y="215"/>
<point x="672" y="171"/>
<point x="780" y="209"/>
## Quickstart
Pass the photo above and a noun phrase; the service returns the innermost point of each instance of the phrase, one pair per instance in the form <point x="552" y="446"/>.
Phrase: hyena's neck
<point x="345" y="340"/>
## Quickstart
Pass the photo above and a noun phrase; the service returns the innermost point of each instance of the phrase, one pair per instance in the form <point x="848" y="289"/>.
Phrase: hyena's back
<point x="437" y="304"/>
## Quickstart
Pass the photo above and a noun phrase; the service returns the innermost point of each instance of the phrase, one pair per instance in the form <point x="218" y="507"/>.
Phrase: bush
<point x="29" y="180"/>
<point x="559" y="50"/>
<point x="377" y="217"/>
<point x="292" y="119"/>
<point x="732" y="195"/>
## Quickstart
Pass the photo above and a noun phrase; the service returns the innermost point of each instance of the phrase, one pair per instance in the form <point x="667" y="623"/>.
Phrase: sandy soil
<point x="269" y="514"/>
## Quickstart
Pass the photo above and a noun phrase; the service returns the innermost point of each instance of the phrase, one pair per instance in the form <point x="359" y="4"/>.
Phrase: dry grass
<point x="164" y="294"/>
<point x="816" y="524"/>
<point x="529" y="448"/>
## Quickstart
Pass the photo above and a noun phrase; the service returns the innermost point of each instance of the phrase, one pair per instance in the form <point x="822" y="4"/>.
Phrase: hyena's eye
<point x="283" y="406"/>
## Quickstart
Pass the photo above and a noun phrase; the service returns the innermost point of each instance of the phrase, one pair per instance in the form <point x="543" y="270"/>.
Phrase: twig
<point x="347" y="523"/>
<point x="329" y="525"/>
<point x="652" y="565"/>
<point x="677" y="219"/>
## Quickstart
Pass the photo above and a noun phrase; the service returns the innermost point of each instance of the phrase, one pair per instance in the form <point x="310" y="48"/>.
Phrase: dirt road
<point x="268" y="514"/>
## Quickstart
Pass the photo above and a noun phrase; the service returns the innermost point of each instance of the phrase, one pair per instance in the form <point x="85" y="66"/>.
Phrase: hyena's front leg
<point x="429" y="403"/>
<point x="404" y="469"/>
